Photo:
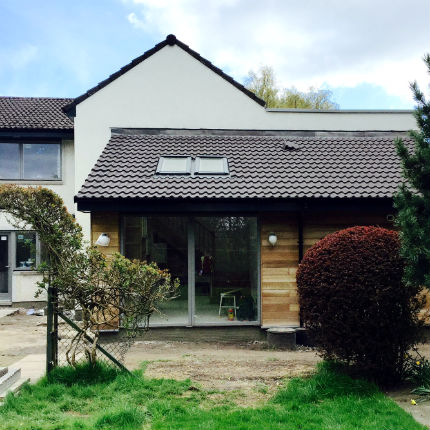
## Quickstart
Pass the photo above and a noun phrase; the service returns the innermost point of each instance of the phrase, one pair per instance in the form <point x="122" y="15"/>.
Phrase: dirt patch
<point x="248" y="374"/>
<point x="20" y="335"/>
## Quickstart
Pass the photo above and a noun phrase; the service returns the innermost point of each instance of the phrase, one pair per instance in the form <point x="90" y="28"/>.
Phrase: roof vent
<point x="291" y="146"/>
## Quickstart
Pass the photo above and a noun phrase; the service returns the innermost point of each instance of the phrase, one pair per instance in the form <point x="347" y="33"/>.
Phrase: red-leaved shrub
<point x="354" y="303"/>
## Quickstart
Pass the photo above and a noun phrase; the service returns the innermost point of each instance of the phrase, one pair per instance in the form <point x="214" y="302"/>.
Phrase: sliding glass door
<point x="214" y="258"/>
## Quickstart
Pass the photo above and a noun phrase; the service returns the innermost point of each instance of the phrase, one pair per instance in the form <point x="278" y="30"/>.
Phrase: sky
<point x="365" y="51"/>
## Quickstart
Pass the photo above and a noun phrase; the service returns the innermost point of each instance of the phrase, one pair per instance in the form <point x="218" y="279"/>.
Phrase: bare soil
<point x="20" y="335"/>
<point x="249" y="371"/>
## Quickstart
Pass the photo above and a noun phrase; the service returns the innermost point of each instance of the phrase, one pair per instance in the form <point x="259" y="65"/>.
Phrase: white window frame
<point x="160" y="170"/>
<point x="198" y="170"/>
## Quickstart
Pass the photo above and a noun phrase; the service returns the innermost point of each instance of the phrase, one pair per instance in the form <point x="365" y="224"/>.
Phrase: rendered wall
<point x="23" y="283"/>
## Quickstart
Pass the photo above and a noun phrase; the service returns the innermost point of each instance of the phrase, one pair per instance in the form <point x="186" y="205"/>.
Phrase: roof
<point x="41" y="113"/>
<point x="260" y="167"/>
<point x="170" y="40"/>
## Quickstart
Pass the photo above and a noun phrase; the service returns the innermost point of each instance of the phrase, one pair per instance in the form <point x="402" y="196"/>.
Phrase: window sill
<point x="23" y="272"/>
<point x="32" y="181"/>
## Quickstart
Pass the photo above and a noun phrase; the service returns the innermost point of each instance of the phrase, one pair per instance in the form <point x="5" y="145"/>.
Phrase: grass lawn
<point x="102" y="398"/>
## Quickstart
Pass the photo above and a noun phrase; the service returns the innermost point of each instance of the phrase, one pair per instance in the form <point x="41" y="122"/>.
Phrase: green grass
<point x="103" y="398"/>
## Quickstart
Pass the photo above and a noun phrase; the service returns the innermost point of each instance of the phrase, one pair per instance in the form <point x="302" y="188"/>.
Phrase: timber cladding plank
<point x="106" y="222"/>
<point x="279" y="306"/>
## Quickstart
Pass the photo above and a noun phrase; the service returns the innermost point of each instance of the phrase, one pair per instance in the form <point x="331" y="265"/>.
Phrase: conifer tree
<point x="413" y="198"/>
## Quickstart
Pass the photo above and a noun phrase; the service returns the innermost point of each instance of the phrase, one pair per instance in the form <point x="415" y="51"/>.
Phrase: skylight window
<point x="211" y="166"/>
<point x="174" y="165"/>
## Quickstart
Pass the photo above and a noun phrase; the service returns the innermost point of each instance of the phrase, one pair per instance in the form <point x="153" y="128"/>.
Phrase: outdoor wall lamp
<point x="272" y="239"/>
<point x="103" y="240"/>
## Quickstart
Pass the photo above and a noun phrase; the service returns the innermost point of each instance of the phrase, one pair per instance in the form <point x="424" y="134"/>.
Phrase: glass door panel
<point x="4" y="265"/>
<point x="226" y="270"/>
<point x="162" y="240"/>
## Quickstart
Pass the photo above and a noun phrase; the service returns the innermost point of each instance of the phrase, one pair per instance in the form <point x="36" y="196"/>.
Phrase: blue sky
<point x="365" y="51"/>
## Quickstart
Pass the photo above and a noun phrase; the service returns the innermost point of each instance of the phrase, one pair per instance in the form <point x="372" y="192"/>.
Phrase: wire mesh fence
<point x="74" y="345"/>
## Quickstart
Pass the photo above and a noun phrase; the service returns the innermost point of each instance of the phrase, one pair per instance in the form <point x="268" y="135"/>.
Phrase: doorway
<point x="5" y="266"/>
<point x="216" y="260"/>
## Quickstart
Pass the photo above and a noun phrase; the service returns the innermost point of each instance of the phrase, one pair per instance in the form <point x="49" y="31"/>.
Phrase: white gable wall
<point x="171" y="89"/>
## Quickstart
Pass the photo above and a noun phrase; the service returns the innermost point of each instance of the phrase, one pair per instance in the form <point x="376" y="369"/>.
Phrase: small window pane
<point x="9" y="161"/>
<point x="212" y="165"/>
<point x="25" y="250"/>
<point x="174" y="165"/>
<point x="41" y="161"/>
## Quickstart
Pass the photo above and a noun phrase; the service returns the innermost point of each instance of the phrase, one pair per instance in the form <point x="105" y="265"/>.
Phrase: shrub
<point x="354" y="303"/>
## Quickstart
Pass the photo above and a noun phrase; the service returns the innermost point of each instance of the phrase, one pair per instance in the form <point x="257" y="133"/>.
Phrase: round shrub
<point x="354" y="303"/>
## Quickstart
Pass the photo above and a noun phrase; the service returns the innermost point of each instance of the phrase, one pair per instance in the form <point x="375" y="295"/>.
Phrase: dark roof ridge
<point x="170" y="40"/>
<point x="35" y="98"/>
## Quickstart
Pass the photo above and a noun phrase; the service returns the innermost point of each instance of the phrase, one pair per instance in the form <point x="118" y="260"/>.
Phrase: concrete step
<point x="13" y="388"/>
<point x="9" y="378"/>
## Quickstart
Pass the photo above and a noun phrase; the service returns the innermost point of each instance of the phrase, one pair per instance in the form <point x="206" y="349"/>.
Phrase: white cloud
<point x="313" y="42"/>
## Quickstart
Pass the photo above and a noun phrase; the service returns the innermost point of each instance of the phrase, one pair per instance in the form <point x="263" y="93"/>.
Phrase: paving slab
<point x="32" y="367"/>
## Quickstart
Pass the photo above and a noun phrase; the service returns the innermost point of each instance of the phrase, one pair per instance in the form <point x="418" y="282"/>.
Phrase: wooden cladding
<point x="279" y="305"/>
<point x="106" y="222"/>
<point x="279" y="302"/>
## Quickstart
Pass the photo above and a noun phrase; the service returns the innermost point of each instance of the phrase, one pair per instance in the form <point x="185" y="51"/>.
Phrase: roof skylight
<point x="174" y="165"/>
<point x="211" y="165"/>
<point x="202" y="165"/>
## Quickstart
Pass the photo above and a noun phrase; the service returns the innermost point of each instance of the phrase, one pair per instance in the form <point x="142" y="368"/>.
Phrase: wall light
<point x="103" y="240"/>
<point x="272" y="239"/>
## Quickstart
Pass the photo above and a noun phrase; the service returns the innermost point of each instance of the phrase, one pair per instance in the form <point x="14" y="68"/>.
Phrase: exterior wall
<point x="318" y="225"/>
<point x="171" y="89"/>
<point x="279" y="302"/>
<point x="106" y="222"/>
<point x="23" y="285"/>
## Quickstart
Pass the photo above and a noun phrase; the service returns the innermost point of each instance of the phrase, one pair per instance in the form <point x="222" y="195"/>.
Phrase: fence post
<point x="49" y="328"/>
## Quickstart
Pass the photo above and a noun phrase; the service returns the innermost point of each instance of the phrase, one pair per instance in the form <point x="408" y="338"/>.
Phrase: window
<point x="174" y="165"/>
<point x="30" y="161"/>
<point x="203" y="165"/>
<point x="211" y="165"/>
<point x="25" y="250"/>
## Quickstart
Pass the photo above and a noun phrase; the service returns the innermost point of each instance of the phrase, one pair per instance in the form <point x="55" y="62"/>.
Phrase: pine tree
<point x="413" y="198"/>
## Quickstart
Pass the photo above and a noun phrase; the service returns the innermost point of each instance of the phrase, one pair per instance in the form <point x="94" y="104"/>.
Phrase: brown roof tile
<point x="260" y="167"/>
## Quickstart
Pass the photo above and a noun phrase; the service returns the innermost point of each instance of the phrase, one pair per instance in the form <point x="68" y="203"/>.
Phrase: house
<point x="175" y="162"/>
<point x="36" y="148"/>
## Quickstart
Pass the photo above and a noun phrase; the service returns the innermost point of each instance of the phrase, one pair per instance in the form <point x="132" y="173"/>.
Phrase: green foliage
<point x="327" y="400"/>
<point x="418" y="373"/>
<point x="413" y="198"/>
<point x="82" y="276"/>
<point x="263" y="84"/>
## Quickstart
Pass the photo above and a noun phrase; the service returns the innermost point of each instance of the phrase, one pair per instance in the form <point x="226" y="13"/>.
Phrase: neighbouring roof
<point x="170" y="40"/>
<point x="260" y="167"/>
<point x="41" y="113"/>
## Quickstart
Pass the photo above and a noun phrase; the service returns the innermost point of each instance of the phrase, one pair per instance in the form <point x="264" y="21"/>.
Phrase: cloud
<point x="335" y="43"/>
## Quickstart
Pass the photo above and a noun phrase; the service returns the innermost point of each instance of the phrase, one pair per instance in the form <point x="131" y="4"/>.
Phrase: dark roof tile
<point x="259" y="166"/>
<point x="39" y="113"/>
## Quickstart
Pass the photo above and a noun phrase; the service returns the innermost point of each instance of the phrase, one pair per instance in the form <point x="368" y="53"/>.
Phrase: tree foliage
<point x="413" y="198"/>
<point x="354" y="303"/>
<point x="82" y="276"/>
<point x="263" y="84"/>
